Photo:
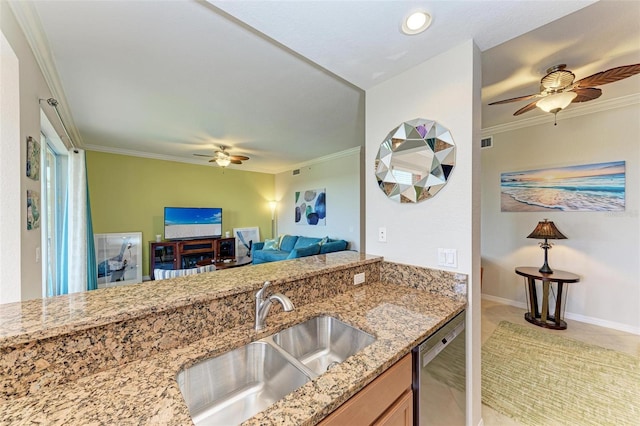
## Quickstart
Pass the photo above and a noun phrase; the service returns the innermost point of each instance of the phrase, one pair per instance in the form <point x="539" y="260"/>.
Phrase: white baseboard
<point x="505" y="301"/>
<point x="568" y="315"/>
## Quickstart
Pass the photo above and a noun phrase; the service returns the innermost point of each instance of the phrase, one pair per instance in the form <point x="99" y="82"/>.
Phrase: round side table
<point x="544" y="318"/>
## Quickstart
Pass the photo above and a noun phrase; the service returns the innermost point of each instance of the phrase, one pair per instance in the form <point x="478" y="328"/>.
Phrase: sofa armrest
<point x="257" y="246"/>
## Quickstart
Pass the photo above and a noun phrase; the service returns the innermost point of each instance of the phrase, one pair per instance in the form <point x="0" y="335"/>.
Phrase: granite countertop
<point x="26" y="321"/>
<point x="145" y="391"/>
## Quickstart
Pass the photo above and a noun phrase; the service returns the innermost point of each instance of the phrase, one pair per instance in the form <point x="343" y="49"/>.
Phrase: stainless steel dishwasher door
<point x="439" y="376"/>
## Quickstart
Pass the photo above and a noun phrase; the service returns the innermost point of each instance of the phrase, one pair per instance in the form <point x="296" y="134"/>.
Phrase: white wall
<point x="340" y="176"/>
<point x="602" y="247"/>
<point x="32" y="88"/>
<point x="10" y="160"/>
<point x="445" y="89"/>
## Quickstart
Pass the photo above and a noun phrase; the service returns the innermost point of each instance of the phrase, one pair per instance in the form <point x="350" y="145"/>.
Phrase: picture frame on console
<point x="119" y="258"/>
<point x="245" y="237"/>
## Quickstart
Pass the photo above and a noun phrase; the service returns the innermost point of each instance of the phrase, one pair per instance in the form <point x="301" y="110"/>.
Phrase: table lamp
<point x="546" y="231"/>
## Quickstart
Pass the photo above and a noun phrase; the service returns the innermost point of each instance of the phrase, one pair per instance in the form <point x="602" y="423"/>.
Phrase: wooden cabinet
<point x="225" y="249"/>
<point x="185" y="254"/>
<point x="388" y="401"/>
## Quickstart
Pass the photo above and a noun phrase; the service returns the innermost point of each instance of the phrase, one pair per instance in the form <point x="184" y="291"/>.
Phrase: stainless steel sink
<point x="322" y="342"/>
<point x="236" y="385"/>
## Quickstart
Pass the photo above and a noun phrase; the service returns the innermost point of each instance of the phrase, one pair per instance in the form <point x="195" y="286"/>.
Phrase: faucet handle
<point x="260" y="293"/>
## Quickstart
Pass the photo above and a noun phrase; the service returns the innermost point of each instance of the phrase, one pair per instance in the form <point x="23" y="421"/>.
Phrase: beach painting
<point x="586" y="188"/>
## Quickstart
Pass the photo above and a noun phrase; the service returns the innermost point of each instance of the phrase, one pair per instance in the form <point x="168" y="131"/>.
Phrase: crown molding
<point x="574" y="111"/>
<point x="133" y="153"/>
<point x="31" y="26"/>
<point x="330" y="157"/>
<point x="164" y="157"/>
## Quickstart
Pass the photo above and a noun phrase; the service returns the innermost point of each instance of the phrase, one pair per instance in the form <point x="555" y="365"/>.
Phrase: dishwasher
<point x="439" y="376"/>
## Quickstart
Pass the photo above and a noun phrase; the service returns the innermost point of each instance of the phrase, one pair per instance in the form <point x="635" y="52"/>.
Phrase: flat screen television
<point x="188" y="223"/>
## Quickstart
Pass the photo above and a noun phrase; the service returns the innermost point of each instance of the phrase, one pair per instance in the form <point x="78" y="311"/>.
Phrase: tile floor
<point x="493" y="313"/>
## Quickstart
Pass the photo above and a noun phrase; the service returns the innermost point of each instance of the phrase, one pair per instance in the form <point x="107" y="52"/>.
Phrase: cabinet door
<point x="400" y="413"/>
<point x="375" y="400"/>
<point x="162" y="256"/>
<point x="226" y="249"/>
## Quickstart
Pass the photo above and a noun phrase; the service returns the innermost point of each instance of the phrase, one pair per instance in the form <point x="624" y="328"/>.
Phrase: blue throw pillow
<point x="271" y="244"/>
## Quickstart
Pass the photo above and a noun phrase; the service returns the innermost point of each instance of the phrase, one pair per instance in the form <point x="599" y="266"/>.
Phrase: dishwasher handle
<point x="429" y="355"/>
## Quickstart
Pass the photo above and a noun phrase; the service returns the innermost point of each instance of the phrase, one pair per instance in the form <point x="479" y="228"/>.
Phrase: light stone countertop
<point x="42" y="318"/>
<point x="144" y="391"/>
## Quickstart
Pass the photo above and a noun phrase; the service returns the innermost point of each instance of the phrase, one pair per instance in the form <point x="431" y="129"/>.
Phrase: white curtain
<point x="75" y="239"/>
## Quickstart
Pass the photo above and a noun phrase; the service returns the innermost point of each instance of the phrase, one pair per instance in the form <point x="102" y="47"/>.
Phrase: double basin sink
<point x="233" y="387"/>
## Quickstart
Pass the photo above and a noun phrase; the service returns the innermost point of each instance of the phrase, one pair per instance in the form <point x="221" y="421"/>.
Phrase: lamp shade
<point x="556" y="102"/>
<point x="547" y="231"/>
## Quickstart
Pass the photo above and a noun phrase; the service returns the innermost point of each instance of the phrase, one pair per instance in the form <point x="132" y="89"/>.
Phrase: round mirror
<point x="415" y="160"/>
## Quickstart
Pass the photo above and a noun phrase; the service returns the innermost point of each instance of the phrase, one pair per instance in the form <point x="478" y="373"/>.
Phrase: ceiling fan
<point x="558" y="88"/>
<point x="222" y="158"/>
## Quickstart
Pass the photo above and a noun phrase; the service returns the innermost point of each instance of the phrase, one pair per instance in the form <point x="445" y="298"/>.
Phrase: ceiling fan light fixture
<point x="556" y="102"/>
<point x="223" y="162"/>
<point x="416" y="22"/>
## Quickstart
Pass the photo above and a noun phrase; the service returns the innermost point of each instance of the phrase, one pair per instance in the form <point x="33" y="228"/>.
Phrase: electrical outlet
<point x="358" y="278"/>
<point x="382" y="235"/>
<point x="37" y="254"/>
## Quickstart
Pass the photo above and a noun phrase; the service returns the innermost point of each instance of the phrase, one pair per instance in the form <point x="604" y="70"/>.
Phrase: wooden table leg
<point x="533" y="296"/>
<point x="558" y="304"/>
<point x="545" y="301"/>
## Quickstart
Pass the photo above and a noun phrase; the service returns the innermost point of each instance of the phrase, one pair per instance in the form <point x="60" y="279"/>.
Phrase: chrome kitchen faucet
<point x="263" y="304"/>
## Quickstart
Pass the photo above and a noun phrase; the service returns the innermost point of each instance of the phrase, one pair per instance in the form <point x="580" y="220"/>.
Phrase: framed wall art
<point x="33" y="209"/>
<point x="33" y="158"/>
<point x="245" y="238"/>
<point x="119" y="258"/>
<point x="311" y="207"/>
<point x="587" y="188"/>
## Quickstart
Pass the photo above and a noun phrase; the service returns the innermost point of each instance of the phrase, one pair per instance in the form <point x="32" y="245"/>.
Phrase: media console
<point x="185" y="254"/>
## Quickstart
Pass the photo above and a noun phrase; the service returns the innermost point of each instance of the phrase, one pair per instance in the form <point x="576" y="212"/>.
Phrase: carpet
<point x="540" y="379"/>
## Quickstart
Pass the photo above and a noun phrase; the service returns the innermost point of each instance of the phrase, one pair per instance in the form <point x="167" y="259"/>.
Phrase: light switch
<point x="448" y="257"/>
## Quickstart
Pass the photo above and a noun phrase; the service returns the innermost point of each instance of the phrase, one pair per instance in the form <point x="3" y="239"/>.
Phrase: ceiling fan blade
<point x="519" y="98"/>
<point x="239" y="157"/>
<point x="202" y="155"/>
<point x="235" y="161"/>
<point x="587" y="94"/>
<point x="526" y="108"/>
<point x="608" y="76"/>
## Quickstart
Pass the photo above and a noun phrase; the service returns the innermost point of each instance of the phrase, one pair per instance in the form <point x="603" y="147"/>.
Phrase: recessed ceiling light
<point x="416" y="23"/>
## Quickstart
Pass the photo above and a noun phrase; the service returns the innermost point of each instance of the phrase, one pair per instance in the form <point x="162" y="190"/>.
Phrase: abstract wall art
<point x="33" y="158"/>
<point x="586" y="188"/>
<point x="311" y="207"/>
<point x="33" y="210"/>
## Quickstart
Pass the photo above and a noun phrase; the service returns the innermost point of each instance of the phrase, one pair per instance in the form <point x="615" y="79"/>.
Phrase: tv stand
<point x="186" y="253"/>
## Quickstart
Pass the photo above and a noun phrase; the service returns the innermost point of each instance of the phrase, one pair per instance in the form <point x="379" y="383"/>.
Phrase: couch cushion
<point x="306" y="241"/>
<point x="287" y="242"/>
<point x="304" y="251"/>
<point x="336" y="245"/>
<point x="269" y="255"/>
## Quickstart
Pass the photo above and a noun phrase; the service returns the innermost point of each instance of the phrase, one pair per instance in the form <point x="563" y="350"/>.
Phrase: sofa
<point x="292" y="247"/>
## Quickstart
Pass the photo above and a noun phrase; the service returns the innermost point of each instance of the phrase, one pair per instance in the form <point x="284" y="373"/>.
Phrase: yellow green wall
<point x="128" y="194"/>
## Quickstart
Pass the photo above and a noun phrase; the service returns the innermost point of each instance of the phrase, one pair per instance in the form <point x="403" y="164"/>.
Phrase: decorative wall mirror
<point x="415" y="161"/>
